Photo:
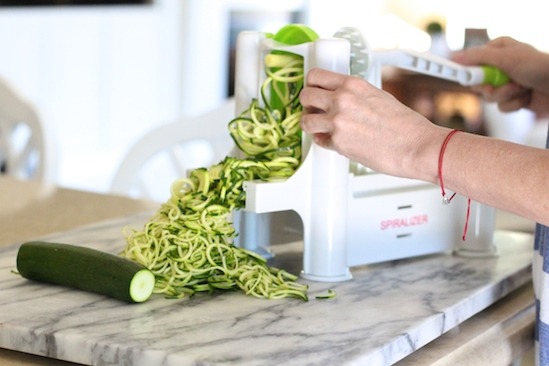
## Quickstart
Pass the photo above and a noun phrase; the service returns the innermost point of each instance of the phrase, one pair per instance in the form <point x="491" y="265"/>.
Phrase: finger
<point x="314" y="123"/>
<point x="514" y="104"/>
<point x="484" y="90"/>
<point x="315" y="98"/>
<point x="325" y="79"/>
<point x="317" y="126"/>
<point x="489" y="54"/>
<point x="476" y="56"/>
<point x="324" y="140"/>
<point x="507" y="92"/>
<point x="502" y="42"/>
<point x="502" y="93"/>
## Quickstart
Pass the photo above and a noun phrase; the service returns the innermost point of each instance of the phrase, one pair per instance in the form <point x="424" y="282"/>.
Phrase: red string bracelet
<point x="445" y="199"/>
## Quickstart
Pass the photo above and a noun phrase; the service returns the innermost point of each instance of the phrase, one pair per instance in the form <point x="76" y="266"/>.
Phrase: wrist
<point x="425" y="158"/>
<point x="440" y="171"/>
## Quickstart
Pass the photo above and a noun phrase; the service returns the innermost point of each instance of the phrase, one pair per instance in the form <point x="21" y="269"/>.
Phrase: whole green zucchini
<point x="85" y="269"/>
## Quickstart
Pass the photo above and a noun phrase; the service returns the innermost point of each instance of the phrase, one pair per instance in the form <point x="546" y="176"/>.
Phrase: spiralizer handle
<point x="429" y="64"/>
<point x="494" y="76"/>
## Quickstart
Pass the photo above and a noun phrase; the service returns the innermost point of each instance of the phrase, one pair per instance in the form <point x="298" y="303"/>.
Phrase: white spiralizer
<point x="350" y="215"/>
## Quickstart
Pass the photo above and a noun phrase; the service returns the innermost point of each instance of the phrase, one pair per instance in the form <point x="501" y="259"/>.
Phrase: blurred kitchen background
<point x="103" y="73"/>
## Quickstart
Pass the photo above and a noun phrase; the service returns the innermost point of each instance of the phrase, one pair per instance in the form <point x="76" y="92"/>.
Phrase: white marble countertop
<point x="385" y="313"/>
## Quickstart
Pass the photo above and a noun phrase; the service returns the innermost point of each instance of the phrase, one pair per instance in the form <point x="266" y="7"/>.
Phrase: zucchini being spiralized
<point x="187" y="244"/>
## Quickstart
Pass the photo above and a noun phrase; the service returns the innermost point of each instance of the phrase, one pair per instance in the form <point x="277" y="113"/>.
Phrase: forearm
<point x="508" y="176"/>
<point x="370" y="126"/>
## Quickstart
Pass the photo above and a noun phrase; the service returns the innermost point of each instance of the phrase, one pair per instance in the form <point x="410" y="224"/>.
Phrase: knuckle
<point x="344" y="100"/>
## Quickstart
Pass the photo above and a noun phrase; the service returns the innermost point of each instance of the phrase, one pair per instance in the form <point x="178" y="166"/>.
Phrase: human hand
<point x="527" y="68"/>
<point x="368" y="125"/>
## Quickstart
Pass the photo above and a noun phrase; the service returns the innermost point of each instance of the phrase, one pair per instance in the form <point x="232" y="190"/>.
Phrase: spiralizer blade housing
<point x="350" y="215"/>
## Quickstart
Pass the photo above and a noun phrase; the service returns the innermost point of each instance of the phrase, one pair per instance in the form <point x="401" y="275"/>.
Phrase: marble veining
<point x="386" y="312"/>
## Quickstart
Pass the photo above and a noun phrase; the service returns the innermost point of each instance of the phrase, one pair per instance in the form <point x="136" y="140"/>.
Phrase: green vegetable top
<point x="293" y="34"/>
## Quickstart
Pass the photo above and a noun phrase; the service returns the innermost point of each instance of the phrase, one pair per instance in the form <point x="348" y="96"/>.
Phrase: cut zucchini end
<point x="142" y="285"/>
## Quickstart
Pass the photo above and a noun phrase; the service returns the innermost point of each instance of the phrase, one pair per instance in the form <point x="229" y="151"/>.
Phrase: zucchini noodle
<point x="188" y="243"/>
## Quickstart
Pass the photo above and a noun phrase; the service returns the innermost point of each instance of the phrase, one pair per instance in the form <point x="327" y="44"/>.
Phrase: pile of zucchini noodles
<point x="187" y="243"/>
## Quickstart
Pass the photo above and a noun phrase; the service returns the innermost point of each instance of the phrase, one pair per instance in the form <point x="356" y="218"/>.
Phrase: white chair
<point x="24" y="149"/>
<point x="169" y="151"/>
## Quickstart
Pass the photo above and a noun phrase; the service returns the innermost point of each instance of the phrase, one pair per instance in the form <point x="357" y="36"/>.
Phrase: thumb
<point x="474" y="56"/>
<point x="489" y="54"/>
